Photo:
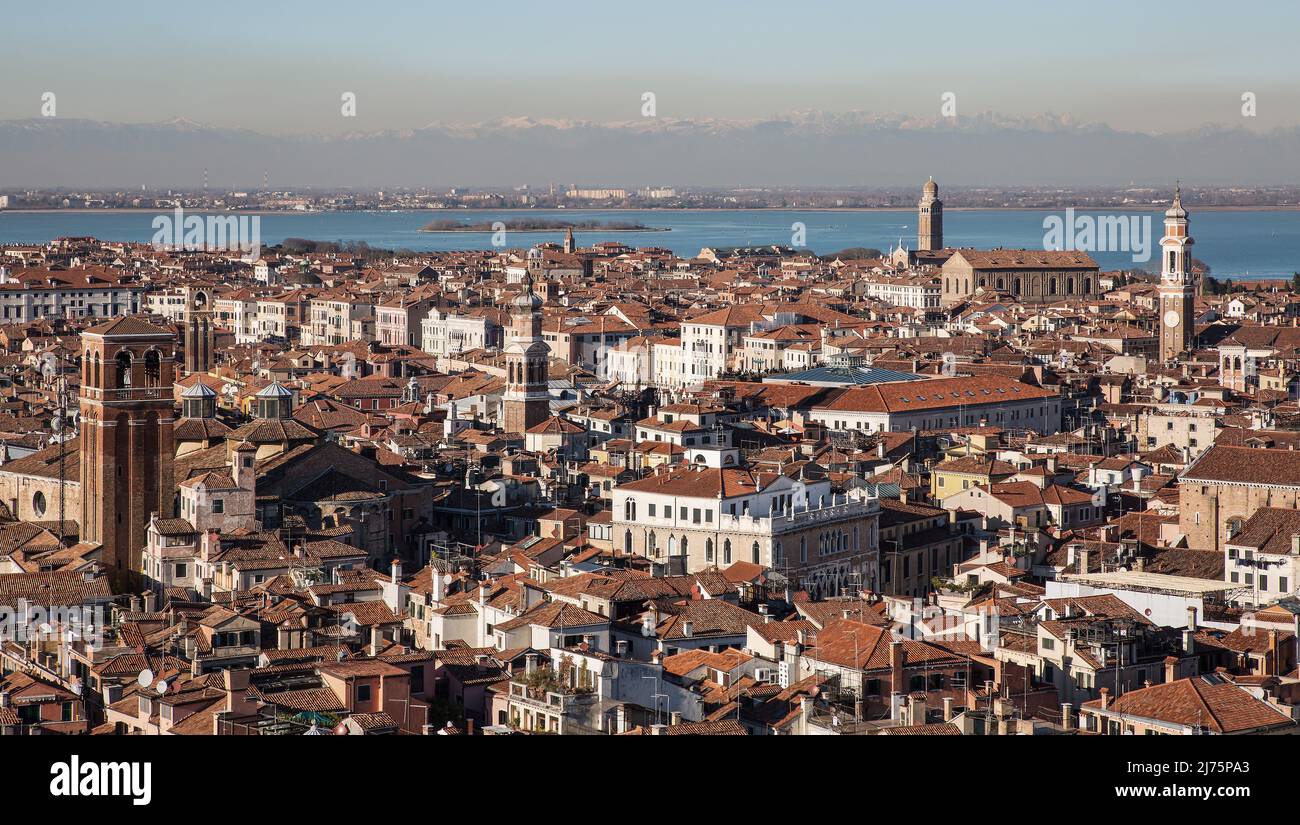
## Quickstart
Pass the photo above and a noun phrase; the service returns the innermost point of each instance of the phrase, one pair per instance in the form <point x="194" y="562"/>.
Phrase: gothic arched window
<point x="123" y="369"/>
<point x="754" y="553"/>
<point x="726" y="551"/>
<point x="152" y="368"/>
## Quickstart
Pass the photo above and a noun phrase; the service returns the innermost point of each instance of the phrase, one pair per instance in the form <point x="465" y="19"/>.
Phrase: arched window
<point x="1002" y="284"/>
<point x="672" y="545"/>
<point x="1017" y="283"/>
<point x="152" y="368"/>
<point x="123" y="369"/>
<point x="1236" y="363"/>
<point x="627" y="541"/>
<point x="1087" y="286"/>
<point x="708" y="550"/>
<point x="1069" y="286"/>
<point x="1053" y="287"/>
<point x="629" y="510"/>
<point x="653" y="545"/>
<point x="803" y="548"/>
<point x="726" y="551"/>
<point x="685" y="544"/>
<point x="753" y="551"/>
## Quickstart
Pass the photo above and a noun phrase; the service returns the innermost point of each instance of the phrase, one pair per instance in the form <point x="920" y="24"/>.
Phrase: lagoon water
<point x="1238" y="244"/>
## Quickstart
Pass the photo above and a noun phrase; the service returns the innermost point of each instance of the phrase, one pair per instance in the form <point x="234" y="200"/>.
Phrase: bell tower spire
<point x="1176" y="281"/>
<point x="526" y="401"/>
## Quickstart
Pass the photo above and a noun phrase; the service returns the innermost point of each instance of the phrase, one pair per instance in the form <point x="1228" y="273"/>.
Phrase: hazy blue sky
<point x="281" y="67"/>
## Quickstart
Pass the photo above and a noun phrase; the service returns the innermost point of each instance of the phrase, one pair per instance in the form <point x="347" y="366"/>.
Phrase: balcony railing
<point x="126" y="393"/>
<point x="800" y="517"/>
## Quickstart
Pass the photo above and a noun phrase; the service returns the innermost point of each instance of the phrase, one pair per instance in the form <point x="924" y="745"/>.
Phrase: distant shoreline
<point x="538" y="225"/>
<point x="666" y="210"/>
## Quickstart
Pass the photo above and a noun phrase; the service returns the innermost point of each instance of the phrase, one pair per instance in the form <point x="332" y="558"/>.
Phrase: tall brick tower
<point x="1177" y="303"/>
<point x="198" y="332"/>
<point x="128" y="367"/>
<point x="929" y="218"/>
<point x="526" y="400"/>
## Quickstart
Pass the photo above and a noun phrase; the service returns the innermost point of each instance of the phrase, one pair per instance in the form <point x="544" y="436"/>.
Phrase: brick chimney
<point x="1171" y="668"/>
<point x="897" y="662"/>
<point x="1105" y="698"/>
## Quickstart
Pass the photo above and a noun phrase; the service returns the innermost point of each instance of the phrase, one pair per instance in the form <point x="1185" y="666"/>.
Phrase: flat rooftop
<point x="1150" y="582"/>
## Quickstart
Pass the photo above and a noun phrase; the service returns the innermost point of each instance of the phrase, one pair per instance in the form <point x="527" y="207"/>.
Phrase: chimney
<point x="150" y="601"/>
<point x="1272" y="666"/>
<point x="897" y="661"/>
<point x="620" y="648"/>
<point x="1191" y="617"/>
<point x="396" y="572"/>
<point x="439" y="586"/>
<point x="1171" y="669"/>
<point x="1083" y="561"/>
<point x="1067" y="717"/>
<point x="1105" y="698"/>
<point x="530" y="664"/>
<point x="947" y="708"/>
<point x="4" y="699"/>
<point x="1189" y="640"/>
<point x="688" y="628"/>
<point x="675" y="718"/>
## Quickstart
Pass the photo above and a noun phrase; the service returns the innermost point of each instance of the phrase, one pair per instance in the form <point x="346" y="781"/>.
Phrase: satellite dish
<point x="145" y="679"/>
<point x="161" y="688"/>
<point x="1099" y="498"/>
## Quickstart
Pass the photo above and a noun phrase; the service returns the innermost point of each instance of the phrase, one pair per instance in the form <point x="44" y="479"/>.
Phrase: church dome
<point x="527" y="300"/>
<point x="930" y="188"/>
<point x="1176" y="210"/>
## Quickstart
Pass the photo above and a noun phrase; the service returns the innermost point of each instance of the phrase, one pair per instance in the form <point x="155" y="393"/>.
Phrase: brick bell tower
<point x="128" y="368"/>
<point x="929" y="219"/>
<point x="526" y="400"/>
<point x="1177" y="302"/>
<point x="198" y="332"/>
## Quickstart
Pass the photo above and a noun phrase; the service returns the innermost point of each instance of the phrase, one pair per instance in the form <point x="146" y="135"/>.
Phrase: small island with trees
<point x="538" y="225"/>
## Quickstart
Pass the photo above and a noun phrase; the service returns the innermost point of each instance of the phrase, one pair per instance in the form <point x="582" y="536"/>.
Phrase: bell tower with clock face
<point x="1176" y="288"/>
